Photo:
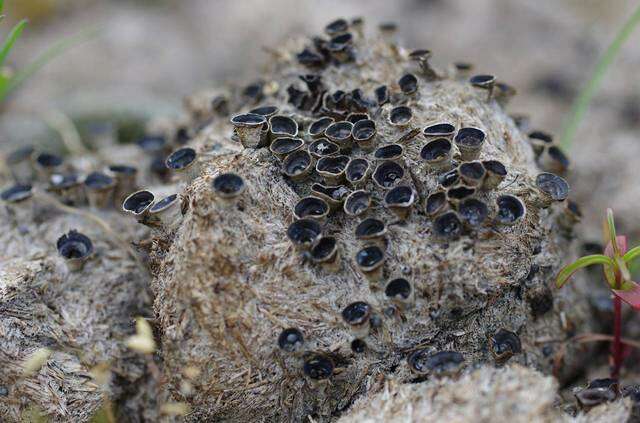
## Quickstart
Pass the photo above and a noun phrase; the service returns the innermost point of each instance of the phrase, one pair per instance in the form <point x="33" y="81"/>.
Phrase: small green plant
<point x="615" y="262"/>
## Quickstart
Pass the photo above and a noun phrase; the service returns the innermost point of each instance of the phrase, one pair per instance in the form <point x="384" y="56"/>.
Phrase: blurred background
<point x="148" y="54"/>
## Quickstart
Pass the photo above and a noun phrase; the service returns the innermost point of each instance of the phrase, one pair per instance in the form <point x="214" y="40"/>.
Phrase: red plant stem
<point x="616" y="346"/>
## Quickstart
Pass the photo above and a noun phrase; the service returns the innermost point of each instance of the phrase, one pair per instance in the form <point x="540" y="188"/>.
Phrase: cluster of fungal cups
<point x="328" y="144"/>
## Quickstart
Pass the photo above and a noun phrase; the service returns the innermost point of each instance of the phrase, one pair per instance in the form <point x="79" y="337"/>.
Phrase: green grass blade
<point x="11" y="40"/>
<point x="50" y="54"/>
<point x="568" y="271"/>
<point x="631" y="255"/>
<point x="581" y="104"/>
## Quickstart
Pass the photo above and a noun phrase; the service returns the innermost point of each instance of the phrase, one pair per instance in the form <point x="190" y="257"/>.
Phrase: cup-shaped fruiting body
<point x="358" y="346"/>
<point x="473" y="212"/>
<point x="76" y="249"/>
<point x="400" y="291"/>
<point x="392" y="152"/>
<point x="340" y="133"/>
<point x="447" y="226"/>
<point x="67" y="187"/>
<point x="463" y="70"/>
<point x="357" y="203"/>
<point x="539" y="140"/>
<point x="249" y="128"/>
<point x="436" y="204"/>
<point x="503" y="345"/>
<point x="357" y="117"/>
<point x="356" y="316"/>
<point x="439" y="130"/>
<point x="400" y="201"/>
<point x="313" y="82"/>
<point x="459" y="193"/>
<point x="495" y="174"/>
<point x="298" y="165"/>
<point x="99" y="188"/>
<point x="282" y="147"/>
<point x="322" y="147"/>
<point x="408" y="84"/>
<point x="310" y="59"/>
<point x="266" y="111"/>
<point x="400" y="116"/>
<point x="599" y="391"/>
<point x="511" y="210"/>
<point x="228" y="187"/>
<point x="472" y="173"/>
<point x="364" y="134"/>
<point x="341" y="47"/>
<point x="554" y="160"/>
<point x="220" y="105"/>
<point x="382" y="95"/>
<point x="138" y="203"/>
<point x="332" y="168"/>
<point x="18" y="200"/>
<point x="304" y="233"/>
<point x="436" y="154"/>
<point x="317" y="128"/>
<point x="167" y="211"/>
<point x="326" y="253"/>
<point x="422" y="56"/>
<point x="449" y="179"/>
<point x="470" y="141"/>
<point x="443" y="363"/>
<point x="484" y="82"/>
<point x="184" y="162"/>
<point x="291" y="340"/>
<point x="339" y="26"/>
<point x="388" y="174"/>
<point x="47" y="164"/>
<point x="282" y="126"/>
<point x="318" y="368"/>
<point x="551" y="188"/>
<point x="372" y="231"/>
<point x="333" y="195"/>
<point x="357" y="172"/>
<point x="503" y="93"/>
<point x="125" y="177"/>
<point x="370" y="262"/>
<point x="153" y="144"/>
<point x="311" y="208"/>
<point x="20" y="164"/>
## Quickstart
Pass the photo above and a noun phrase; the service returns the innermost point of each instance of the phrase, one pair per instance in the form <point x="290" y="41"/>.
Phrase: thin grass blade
<point x="565" y="274"/>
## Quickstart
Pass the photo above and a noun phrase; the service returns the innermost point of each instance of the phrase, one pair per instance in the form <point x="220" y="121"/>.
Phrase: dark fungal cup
<point x="511" y="210"/>
<point x="370" y="260"/>
<point x="310" y="58"/>
<point x="503" y="93"/>
<point x="447" y="226"/>
<point x="325" y="253"/>
<point x="220" y="105"/>
<point x="167" y="211"/>
<point x="503" y="345"/>
<point x="282" y="126"/>
<point x="463" y="70"/>
<point x="400" y="116"/>
<point x="318" y="367"/>
<point x="266" y="111"/>
<point x="19" y="162"/>
<point x="291" y="340"/>
<point x="311" y="208"/>
<point x="99" y="188"/>
<point x="248" y="127"/>
<point x="332" y="168"/>
<point x="484" y="82"/>
<point x="363" y="133"/>
<point x="436" y="203"/>
<point x="443" y="363"/>
<point x="439" y="130"/>
<point x="281" y="147"/>
<point x="436" y="154"/>
<point x="125" y="178"/>
<point x="17" y="193"/>
<point x="388" y="174"/>
<point x="357" y="172"/>
<point x="304" y="233"/>
<point x="371" y="229"/>
<point x="68" y="187"/>
<point x="46" y="164"/>
<point x="317" y="128"/>
<point x="358" y="346"/>
<point x="458" y="193"/>
<point x="539" y="140"/>
<point x="551" y="188"/>
<point x="184" y="162"/>
<point x="554" y="160"/>
<point x="357" y="117"/>
<point x="340" y="133"/>
<point x="449" y="179"/>
<point x="473" y="212"/>
<point x="333" y="195"/>
<point x="472" y="173"/>
<point x="469" y="141"/>
<point x="356" y="315"/>
<point x="313" y="82"/>
<point x="495" y="174"/>
<point x="75" y="248"/>
<point x="408" y="84"/>
<point x="322" y="147"/>
<point x="422" y="56"/>
<point x="228" y="187"/>
<point x="389" y="152"/>
<point x="382" y="95"/>
<point x="153" y="144"/>
<point x="336" y="27"/>
<point x="138" y="203"/>
<point x="357" y="203"/>
<point x="400" y="201"/>
<point x="599" y="391"/>
<point x="400" y="291"/>
<point x="298" y="165"/>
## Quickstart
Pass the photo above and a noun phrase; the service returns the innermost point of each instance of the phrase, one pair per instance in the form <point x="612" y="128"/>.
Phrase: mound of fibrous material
<point x="355" y="216"/>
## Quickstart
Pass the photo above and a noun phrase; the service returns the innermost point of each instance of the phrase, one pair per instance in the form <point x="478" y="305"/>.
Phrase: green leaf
<point x="1" y="5"/>
<point x="611" y="230"/>
<point x="632" y="254"/>
<point x="11" y="40"/>
<point x="568" y="271"/>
